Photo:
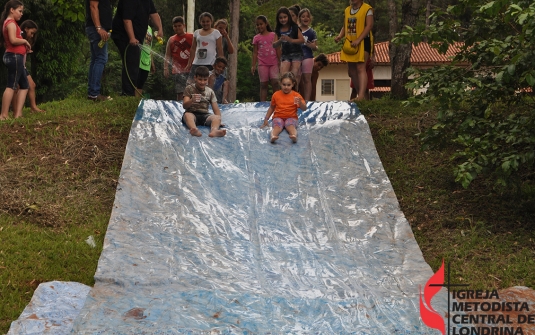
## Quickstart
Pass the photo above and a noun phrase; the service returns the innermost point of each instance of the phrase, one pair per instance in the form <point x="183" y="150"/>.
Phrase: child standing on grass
<point x="266" y="56"/>
<point x="177" y="53"/>
<point x="28" y="32"/>
<point x="310" y="45"/>
<point x="284" y="104"/>
<point x="16" y="49"/>
<point x="197" y="98"/>
<point x="290" y="39"/>
<point x="206" y="46"/>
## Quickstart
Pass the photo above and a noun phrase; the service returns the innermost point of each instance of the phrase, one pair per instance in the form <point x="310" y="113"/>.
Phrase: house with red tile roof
<point x="333" y="81"/>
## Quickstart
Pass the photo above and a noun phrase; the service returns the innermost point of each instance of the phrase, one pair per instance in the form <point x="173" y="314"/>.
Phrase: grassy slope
<point x="58" y="173"/>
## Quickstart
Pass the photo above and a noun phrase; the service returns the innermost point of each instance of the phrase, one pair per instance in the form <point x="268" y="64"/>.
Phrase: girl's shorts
<point x="283" y="123"/>
<point x="16" y="73"/>
<point x="307" y="65"/>
<point x="267" y="72"/>
<point x="293" y="57"/>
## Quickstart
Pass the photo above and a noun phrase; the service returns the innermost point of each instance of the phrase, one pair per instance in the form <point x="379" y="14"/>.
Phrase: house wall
<point x="338" y="72"/>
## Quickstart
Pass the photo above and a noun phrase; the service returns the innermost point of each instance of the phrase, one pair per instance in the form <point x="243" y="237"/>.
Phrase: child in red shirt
<point x="284" y="104"/>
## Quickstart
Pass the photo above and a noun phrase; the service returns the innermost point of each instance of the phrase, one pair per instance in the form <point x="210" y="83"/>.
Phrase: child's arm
<point x="300" y="39"/>
<point x="230" y="47"/>
<point x="219" y="47"/>
<point x="13" y="39"/>
<point x="270" y="111"/>
<point x="342" y="34"/>
<point x="302" y="103"/>
<point x="225" y="92"/>
<point x="255" y="58"/>
<point x="192" y="52"/>
<point x="215" y="108"/>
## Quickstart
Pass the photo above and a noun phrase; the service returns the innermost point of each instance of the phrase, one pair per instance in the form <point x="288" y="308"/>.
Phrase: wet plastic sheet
<point x="235" y="235"/>
<point x="52" y="310"/>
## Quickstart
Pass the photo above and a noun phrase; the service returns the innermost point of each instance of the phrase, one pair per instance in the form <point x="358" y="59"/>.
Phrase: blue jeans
<point x="99" y="57"/>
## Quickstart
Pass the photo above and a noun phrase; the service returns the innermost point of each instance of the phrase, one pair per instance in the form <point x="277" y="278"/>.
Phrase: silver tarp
<point x="236" y="235"/>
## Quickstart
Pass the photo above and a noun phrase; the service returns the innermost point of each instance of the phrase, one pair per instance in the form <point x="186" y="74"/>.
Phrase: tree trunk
<point x="190" y="19"/>
<point x="233" y="58"/>
<point x="400" y="55"/>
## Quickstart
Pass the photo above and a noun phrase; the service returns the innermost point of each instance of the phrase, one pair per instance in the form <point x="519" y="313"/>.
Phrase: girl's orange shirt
<point x="284" y="104"/>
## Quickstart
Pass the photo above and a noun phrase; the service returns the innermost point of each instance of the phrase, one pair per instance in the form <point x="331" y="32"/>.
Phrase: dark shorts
<point x="293" y="57"/>
<point x="16" y="73"/>
<point x="367" y="45"/>
<point x="201" y="119"/>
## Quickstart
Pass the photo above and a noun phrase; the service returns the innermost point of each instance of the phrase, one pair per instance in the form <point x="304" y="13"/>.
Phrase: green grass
<point x="59" y="171"/>
<point x="487" y="236"/>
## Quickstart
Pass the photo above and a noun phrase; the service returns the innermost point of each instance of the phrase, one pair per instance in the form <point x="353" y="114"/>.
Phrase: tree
<point x="234" y="36"/>
<point x="400" y="54"/>
<point x="485" y="109"/>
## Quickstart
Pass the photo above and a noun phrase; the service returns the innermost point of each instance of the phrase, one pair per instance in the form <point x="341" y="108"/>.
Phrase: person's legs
<point x="291" y="127"/>
<point x="130" y="55"/>
<point x="353" y="73"/>
<point x="141" y="79"/>
<point x="306" y="77"/>
<point x="277" y="126"/>
<point x="189" y="120"/>
<point x="21" y="98"/>
<point x="263" y="91"/>
<point x="225" y="92"/>
<point x="285" y="67"/>
<point x="32" y="95"/>
<point x="99" y="58"/>
<point x="274" y="78"/>
<point x="214" y="121"/>
<point x="362" y="81"/>
<point x="296" y="69"/>
<point x="6" y="102"/>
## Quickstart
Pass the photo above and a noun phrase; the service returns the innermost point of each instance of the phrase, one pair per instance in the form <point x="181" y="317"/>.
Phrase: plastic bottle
<point x="160" y="40"/>
<point x="102" y="42"/>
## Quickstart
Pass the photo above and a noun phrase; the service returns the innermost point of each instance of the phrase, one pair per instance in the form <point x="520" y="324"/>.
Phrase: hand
<point x="337" y="38"/>
<point x="253" y="70"/>
<point x="165" y="71"/>
<point x="103" y="34"/>
<point x="187" y="68"/>
<point x="312" y="45"/>
<point x="355" y="44"/>
<point x="160" y="33"/>
<point x="133" y="41"/>
<point x="265" y="124"/>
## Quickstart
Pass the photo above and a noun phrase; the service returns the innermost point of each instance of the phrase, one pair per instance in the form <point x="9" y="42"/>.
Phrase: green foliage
<point x="484" y="100"/>
<point x="248" y="86"/>
<point x="67" y="11"/>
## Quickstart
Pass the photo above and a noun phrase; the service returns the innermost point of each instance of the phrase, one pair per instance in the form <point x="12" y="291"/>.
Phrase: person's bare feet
<point x="195" y="132"/>
<point x="274" y="138"/>
<point x="293" y="138"/>
<point x="217" y="133"/>
<point x="2" y="118"/>
<point x="38" y="110"/>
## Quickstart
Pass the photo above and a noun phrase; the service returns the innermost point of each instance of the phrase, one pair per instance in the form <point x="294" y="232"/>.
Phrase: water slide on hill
<point x="235" y="235"/>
